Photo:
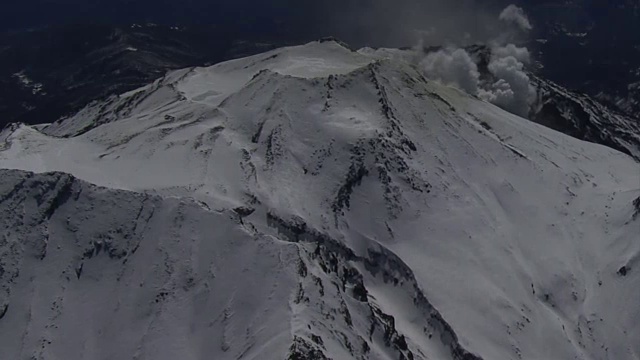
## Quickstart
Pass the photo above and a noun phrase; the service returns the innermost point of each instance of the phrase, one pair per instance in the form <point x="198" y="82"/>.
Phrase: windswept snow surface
<point x="314" y="203"/>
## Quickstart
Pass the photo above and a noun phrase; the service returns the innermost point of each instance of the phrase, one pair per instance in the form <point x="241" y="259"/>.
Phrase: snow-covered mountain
<point x="314" y="202"/>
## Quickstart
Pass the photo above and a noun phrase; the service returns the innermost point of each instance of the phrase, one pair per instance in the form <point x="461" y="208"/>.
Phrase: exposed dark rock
<point x="317" y="339"/>
<point x="302" y="268"/>
<point x="360" y="292"/>
<point x="3" y="310"/>
<point x="623" y="271"/>
<point x="304" y="350"/>
<point x="357" y="172"/>
<point x="79" y="270"/>
<point x="244" y="211"/>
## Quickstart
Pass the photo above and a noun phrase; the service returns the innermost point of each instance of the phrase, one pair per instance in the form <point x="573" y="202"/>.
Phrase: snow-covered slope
<point x="310" y="203"/>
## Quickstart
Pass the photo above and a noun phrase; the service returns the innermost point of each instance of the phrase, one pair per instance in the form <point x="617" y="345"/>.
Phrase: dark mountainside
<point x="592" y="46"/>
<point x="52" y="72"/>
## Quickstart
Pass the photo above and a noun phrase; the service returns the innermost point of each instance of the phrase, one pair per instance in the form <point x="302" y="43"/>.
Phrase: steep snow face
<point x="314" y="202"/>
<point x="93" y="273"/>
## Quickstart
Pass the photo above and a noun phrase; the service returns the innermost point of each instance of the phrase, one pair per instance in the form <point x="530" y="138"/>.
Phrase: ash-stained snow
<point x="310" y="203"/>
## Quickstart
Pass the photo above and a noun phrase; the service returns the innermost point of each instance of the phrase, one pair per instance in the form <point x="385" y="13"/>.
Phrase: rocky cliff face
<point x="582" y="117"/>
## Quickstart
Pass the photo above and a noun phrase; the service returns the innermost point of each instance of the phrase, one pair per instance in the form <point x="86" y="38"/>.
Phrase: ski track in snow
<point x="314" y="203"/>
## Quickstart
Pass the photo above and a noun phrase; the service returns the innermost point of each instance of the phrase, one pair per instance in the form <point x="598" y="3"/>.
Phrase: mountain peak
<point x="313" y="202"/>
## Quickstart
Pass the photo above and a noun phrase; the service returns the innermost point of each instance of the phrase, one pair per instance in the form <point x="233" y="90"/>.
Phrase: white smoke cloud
<point x="509" y="88"/>
<point x="453" y="67"/>
<point x="510" y="50"/>
<point x="512" y="90"/>
<point x="384" y="23"/>
<point x="516" y="15"/>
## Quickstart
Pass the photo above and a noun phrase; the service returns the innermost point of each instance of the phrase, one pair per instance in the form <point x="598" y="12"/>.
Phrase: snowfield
<point x="314" y="203"/>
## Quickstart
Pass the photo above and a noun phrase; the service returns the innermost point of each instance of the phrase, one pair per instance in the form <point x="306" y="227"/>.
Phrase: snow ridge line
<point x="378" y="261"/>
